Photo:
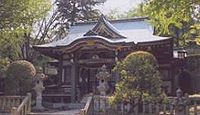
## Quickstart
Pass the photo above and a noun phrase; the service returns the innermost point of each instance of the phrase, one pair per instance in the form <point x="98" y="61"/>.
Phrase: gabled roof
<point x="135" y="31"/>
<point x="106" y="29"/>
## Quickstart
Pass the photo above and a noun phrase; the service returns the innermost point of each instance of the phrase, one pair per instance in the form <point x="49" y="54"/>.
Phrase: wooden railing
<point x="24" y="108"/>
<point x="7" y="102"/>
<point x="89" y="107"/>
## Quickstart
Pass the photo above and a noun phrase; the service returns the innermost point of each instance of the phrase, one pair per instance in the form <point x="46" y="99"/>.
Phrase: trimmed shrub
<point x="140" y="78"/>
<point x="19" y="77"/>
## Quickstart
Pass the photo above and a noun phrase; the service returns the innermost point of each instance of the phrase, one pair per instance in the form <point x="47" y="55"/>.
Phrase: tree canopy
<point x="177" y="18"/>
<point x="70" y="11"/>
<point x="139" y="78"/>
<point x="78" y="10"/>
<point x="17" y="19"/>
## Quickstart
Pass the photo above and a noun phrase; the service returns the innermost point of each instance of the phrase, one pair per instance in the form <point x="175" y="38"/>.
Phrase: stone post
<point x="180" y="103"/>
<point x="14" y="111"/>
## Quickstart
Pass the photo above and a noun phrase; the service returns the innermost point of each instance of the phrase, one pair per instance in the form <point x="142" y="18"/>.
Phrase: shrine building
<point x="90" y="45"/>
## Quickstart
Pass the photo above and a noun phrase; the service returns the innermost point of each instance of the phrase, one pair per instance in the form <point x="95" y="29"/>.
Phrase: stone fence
<point x="175" y="106"/>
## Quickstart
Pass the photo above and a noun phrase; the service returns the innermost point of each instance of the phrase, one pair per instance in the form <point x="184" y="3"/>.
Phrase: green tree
<point x="139" y="78"/>
<point x="19" y="77"/>
<point x="17" y="20"/>
<point x="78" y="10"/>
<point x="70" y="11"/>
<point x="177" y="18"/>
<point x="136" y="11"/>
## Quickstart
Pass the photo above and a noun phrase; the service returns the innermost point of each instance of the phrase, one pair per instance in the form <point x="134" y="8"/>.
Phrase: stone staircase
<point x="60" y="109"/>
<point x="63" y="109"/>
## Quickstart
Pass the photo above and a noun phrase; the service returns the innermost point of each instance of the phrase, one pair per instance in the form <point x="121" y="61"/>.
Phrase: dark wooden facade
<point x="102" y="44"/>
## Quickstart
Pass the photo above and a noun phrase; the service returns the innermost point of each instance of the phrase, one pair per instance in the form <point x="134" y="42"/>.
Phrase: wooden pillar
<point x="173" y="76"/>
<point x="73" y="81"/>
<point x="60" y="66"/>
<point x="78" y="96"/>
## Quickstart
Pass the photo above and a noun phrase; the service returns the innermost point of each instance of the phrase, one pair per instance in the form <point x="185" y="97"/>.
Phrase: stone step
<point x="46" y="114"/>
<point x="52" y="114"/>
<point x="66" y="106"/>
<point x="68" y="112"/>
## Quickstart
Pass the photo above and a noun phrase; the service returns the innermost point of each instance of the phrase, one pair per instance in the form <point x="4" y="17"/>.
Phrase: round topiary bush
<point x="19" y="77"/>
<point x="139" y="78"/>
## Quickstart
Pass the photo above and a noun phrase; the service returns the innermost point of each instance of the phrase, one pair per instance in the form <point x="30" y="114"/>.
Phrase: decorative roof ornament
<point x="104" y="28"/>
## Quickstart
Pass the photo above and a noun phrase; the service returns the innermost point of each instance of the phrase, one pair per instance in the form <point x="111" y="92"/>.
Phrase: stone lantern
<point x="39" y="88"/>
<point x="103" y="76"/>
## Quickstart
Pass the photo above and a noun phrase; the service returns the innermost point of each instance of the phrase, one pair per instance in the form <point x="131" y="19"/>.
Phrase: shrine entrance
<point x="88" y="81"/>
<point x="89" y="64"/>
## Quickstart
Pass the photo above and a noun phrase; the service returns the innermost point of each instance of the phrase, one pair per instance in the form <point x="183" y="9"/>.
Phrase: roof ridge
<point x="112" y="21"/>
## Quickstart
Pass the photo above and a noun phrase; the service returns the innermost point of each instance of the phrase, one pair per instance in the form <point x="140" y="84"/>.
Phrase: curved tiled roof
<point x="127" y="31"/>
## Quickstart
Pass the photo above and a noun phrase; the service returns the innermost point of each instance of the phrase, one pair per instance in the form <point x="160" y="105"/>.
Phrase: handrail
<point x="10" y="97"/>
<point x="24" y="108"/>
<point x="89" y="107"/>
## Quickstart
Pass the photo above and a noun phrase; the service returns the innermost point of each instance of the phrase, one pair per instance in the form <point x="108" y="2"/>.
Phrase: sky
<point x="120" y="5"/>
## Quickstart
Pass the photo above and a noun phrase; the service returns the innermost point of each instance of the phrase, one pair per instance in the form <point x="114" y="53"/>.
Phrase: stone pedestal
<point x="102" y="106"/>
<point x="39" y="103"/>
